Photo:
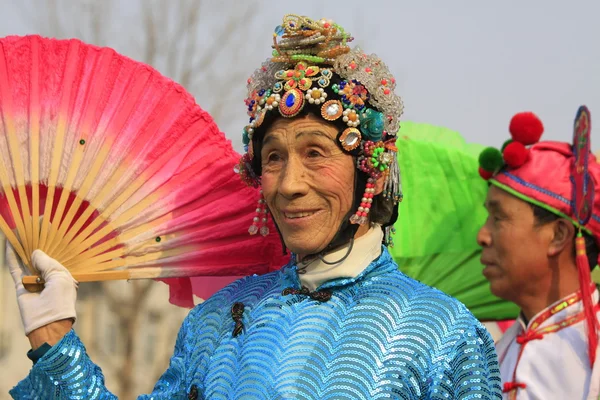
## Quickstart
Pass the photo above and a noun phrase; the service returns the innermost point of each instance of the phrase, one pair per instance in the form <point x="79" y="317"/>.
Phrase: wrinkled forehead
<point x="300" y="128"/>
<point x="501" y="200"/>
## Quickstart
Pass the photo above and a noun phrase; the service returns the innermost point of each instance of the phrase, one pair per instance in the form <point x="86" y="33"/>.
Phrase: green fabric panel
<point x="440" y="215"/>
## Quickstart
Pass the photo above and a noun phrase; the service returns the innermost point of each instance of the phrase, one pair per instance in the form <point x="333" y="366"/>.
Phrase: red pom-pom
<point x="515" y="154"/>
<point x="526" y="128"/>
<point x="485" y="174"/>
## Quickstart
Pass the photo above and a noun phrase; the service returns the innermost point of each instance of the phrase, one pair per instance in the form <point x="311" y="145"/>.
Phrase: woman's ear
<point x="379" y="185"/>
<point x="563" y="237"/>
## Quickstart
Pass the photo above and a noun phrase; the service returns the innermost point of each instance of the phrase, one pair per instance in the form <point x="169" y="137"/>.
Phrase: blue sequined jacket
<point x="381" y="335"/>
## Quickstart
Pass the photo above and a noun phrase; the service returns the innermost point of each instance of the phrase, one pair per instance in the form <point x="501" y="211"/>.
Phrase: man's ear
<point x="563" y="236"/>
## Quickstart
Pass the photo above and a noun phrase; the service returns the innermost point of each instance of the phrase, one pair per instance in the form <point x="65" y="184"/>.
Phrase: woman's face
<point x="307" y="181"/>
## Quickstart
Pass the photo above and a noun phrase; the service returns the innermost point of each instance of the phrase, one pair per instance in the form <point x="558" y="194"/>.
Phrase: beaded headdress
<point x="313" y="66"/>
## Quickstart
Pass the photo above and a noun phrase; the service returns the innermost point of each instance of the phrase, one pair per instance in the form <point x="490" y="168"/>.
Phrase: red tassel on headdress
<point x="585" y="284"/>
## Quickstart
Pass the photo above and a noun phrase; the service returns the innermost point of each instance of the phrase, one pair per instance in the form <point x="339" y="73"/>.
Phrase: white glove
<point x="56" y="302"/>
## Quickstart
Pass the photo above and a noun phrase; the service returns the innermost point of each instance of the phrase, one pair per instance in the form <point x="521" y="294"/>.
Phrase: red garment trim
<point x="568" y="301"/>
<point x="510" y="386"/>
<point x="529" y="336"/>
<point x="533" y="334"/>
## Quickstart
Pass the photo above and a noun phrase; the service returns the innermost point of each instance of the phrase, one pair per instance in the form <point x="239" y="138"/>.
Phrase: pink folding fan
<point x="116" y="172"/>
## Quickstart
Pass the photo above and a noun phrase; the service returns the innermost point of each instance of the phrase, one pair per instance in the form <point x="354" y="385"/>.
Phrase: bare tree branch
<point x="151" y="46"/>
<point x="54" y="22"/>
<point x="163" y="362"/>
<point x="98" y="9"/>
<point x="227" y="32"/>
<point x="172" y="47"/>
<point x="190" y="47"/>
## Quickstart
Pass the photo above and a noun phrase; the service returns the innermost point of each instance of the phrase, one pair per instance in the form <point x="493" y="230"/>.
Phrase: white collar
<point x="365" y="249"/>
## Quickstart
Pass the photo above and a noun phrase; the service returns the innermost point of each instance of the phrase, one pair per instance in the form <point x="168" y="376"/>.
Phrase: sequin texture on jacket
<point x="380" y="335"/>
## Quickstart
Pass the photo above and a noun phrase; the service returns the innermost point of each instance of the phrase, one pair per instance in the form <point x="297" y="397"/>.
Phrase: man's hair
<point x="543" y="216"/>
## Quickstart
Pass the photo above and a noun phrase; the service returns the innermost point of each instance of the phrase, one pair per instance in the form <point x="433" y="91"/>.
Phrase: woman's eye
<point x="273" y="157"/>
<point x="314" y="153"/>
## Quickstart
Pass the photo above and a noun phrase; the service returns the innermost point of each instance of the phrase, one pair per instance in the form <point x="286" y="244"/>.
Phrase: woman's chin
<point x="305" y="236"/>
<point x="304" y="247"/>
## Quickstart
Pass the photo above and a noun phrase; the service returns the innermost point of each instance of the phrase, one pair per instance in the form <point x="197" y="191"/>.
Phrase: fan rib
<point x="34" y="142"/>
<point x="71" y="64"/>
<point x="93" y="96"/>
<point x="77" y="156"/>
<point x="134" y="260"/>
<point x="20" y="214"/>
<point x="151" y="272"/>
<point x="14" y="242"/>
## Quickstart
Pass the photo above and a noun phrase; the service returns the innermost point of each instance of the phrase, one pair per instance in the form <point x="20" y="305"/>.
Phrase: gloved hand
<point x="56" y="302"/>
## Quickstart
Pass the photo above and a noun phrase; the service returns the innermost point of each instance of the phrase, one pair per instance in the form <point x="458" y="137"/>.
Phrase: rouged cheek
<point x="333" y="182"/>
<point x="269" y="178"/>
<point x="269" y="185"/>
<point x="331" y="175"/>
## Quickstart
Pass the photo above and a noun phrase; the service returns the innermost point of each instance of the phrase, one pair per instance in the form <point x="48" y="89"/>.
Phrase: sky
<point x="468" y="65"/>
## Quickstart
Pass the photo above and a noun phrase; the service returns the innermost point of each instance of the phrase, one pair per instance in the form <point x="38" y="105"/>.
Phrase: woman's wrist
<point x="51" y="333"/>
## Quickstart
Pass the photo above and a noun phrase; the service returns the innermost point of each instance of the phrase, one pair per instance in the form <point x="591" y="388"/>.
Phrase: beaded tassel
<point x="392" y="188"/>
<point x="361" y="215"/>
<point x="261" y="216"/>
<point x="264" y="229"/>
<point x="388" y="233"/>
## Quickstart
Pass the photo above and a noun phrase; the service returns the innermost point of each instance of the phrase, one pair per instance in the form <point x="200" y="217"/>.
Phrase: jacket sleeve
<point x="65" y="371"/>
<point x="471" y="371"/>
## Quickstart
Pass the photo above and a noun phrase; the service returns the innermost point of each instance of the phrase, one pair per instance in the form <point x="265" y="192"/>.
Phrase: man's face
<point x="515" y="248"/>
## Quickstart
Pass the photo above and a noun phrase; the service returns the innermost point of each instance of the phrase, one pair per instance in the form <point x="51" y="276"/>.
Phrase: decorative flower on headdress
<point x="244" y="168"/>
<point x="299" y="77"/>
<point x="352" y="93"/>
<point x="375" y="160"/>
<point x="253" y="101"/>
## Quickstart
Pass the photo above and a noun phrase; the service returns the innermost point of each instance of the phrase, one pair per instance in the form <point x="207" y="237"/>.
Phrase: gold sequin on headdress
<point x="303" y="39"/>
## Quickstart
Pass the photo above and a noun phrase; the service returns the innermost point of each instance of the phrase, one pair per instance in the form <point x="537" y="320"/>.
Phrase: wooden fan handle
<point x="139" y="273"/>
<point x="83" y="277"/>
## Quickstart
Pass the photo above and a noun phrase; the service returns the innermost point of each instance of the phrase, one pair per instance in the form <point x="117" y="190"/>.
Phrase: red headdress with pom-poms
<point x="525" y="129"/>
<point x="560" y="177"/>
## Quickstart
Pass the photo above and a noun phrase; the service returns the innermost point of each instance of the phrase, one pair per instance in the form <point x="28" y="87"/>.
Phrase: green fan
<point x="440" y="215"/>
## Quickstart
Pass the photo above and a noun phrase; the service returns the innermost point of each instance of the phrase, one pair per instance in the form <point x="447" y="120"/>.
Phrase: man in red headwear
<point x="540" y="243"/>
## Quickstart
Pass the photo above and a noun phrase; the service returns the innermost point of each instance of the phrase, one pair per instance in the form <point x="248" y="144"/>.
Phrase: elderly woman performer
<point x="339" y="321"/>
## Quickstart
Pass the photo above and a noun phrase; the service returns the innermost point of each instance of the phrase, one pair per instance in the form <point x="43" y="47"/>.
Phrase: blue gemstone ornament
<point x="291" y="103"/>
